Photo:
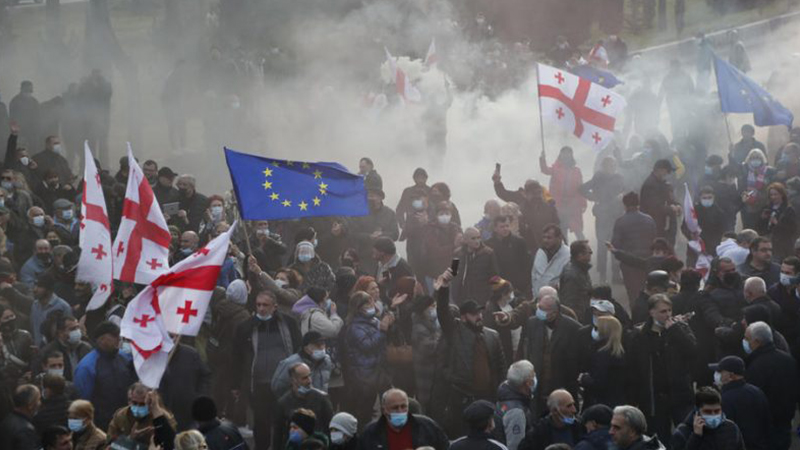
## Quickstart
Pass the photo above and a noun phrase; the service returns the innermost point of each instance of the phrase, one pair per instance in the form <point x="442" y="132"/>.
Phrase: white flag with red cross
<point x="143" y="325"/>
<point x="185" y="291"/>
<point x="405" y="89"/>
<point x="695" y="242"/>
<point x="141" y="249"/>
<point x="586" y="109"/>
<point x="94" y="266"/>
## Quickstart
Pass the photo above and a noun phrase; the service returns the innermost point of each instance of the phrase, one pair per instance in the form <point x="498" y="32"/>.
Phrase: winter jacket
<point x="222" y="435"/>
<point x="474" y="272"/>
<point x="72" y="356"/>
<point x="424" y="432"/>
<point x="513" y="260"/>
<point x="677" y="349"/>
<point x="605" y="370"/>
<point x="563" y="352"/>
<point x="542" y="434"/>
<point x="315" y="400"/>
<point x="634" y="233"/>
<point x="547" y="272"/>
<point x="748" y="407"/>
<point x="103" y="379"/>
<point x="598" y="439"/>
<point x="656" y="201"/>
<point x="513" y="417"/>
<point x="646" y="443"/>
<point x="17" y="433"/>
<point x="52" y="412"/>
<point x="575" y="287"/>
<point x="726" y="436"/>
<point x="318" y="274"/>
<point x="364" y="348"/>
<point x="783" y="233"/>
<point x="536" y="214"/>
<point x="722" y="307"/>
<point x="361" y="230"/>
<point x="91" y="438"/>
<point x="186" y="378"/>
<point x="424" y="338"/>
<point x="312" y="317"/>
<point x="123" y="423"/>
<point x="771" y="274"/>
<point x="477" y="441"/>
<point x="775" y="373"/>
<point x="320" y="373"/>
<point x="245" y="345"/>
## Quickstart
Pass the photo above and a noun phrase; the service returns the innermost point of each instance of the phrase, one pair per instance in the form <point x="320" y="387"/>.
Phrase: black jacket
<point x="222" y="435"/>
<point x="726" y="436"/>
<point x="195" y="207"/>
<point x="17" y="433"/>
<point x="542" y="434"/>
<point x="575" y="287"/>
<point x="53" y="412"/>
<point x="474" y="272"/>
<point x="598" y="439"/>
<point x="477" y="441"/>
<point x="646" y="443"/>
<point x="604" y="369"/>
<point x="513" y="260"/>
<point x="316" y="401"/>
<point x="535" y="215"/>
<point x="656" y="199"/>
<point x="747" y="406"/>
<point x="647" y="351"/>
<point x="770" y="275"/>
<point x="186" y="378"/>
<point x="424" y="432"/>
<point x="634" y="233"/>
<point x="775" y="372"/>
<point x="563" y="352"/>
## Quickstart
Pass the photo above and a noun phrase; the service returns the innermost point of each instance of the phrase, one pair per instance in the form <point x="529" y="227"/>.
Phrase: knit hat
<point x="345" y="423"/>
<point x="237" y="292"/>
<point x="306" y="423"/>
<point x="204" y="409"/>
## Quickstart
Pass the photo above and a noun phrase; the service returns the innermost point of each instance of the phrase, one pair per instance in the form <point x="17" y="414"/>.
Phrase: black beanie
<point x="306" y="423"/>
<point x="204" y="409"/>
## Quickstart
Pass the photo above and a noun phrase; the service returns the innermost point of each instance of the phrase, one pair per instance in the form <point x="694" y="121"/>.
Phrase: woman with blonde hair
<point x="190" y="440"/>
<point x="80" y="420"/>
<point x="605" y="365"/>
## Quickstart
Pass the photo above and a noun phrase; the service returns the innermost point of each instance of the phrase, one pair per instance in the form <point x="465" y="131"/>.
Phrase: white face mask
<point x="24" y="160"/>
<point x="444" y="219"/>
<point x="595" y="335"/>
<point x="75" y="336"/>
<point x="216" y="212"/>
<point x="38" y="221"/>
<point x="281" y="284"/>
<point x="707" y="202"/>
<point x="57" y="148"/>
<point x="337" y="437"/>
<point x="417" y="204"/>
<point x="786" y="280"/>
<point x="717" y="379"/>
<point x="59" y="372"/>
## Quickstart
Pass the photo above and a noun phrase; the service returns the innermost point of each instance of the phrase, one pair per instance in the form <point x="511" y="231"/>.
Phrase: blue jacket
<point x="596" y="440"/>
<point x="103" y="379"/>
<point x="748" y="407"/>
<point x="364" y="346"/>
<point x="31" y="270"/>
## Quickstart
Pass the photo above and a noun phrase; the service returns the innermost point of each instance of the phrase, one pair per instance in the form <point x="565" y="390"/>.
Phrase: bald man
<point x="397" y="429"/>
<point x="477" y="265"/>
<point x="559" y="426"/>
<point x="755" y="293"/>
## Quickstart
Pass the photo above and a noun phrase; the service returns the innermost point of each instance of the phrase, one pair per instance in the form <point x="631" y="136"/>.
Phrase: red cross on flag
<point x="141" y="249"/>
<point x="586" y="109"/>
<point x="695" y="243"/>
<point x="94" y="266"/>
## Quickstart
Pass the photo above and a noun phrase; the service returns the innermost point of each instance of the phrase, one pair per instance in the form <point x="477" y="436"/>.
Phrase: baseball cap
<point x="732" y="364"/>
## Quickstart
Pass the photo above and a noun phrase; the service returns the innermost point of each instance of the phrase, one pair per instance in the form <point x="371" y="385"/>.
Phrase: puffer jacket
<point x="425" y="336"/>
<point x="726" y="436"/>
<point x="364" y="347"/>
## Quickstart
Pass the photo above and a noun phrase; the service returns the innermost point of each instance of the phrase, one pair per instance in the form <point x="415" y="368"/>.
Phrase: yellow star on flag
<point x="287" y="203"/>
<point x="317" y="174"/>
<point x="303" y="206"/>
<point x="268" y="172"/>
<point x="317" y="201"/>
<point x="267" y="185"/>
<point x="274" y="196"/>
<point x="323" y="186"/>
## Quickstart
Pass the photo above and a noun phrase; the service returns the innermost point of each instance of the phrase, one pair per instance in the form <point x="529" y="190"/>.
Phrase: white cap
<point x="603" y="306"/>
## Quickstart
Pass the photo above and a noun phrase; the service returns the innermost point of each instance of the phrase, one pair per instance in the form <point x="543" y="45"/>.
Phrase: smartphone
<point x="497" y="167"/>
<point x="171" y="208"/>
<point x="454" y="266"/>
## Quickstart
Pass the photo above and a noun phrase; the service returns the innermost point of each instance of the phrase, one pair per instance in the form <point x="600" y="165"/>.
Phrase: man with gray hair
<point x="775" y="373"/>
<point x="628" y="427"/>
<point x="513" y="415"/>
<point x="192" y="204"/>
<point x="478" y="265"/>
<point x="755" y="293"/>
<point x="559" y="426"/>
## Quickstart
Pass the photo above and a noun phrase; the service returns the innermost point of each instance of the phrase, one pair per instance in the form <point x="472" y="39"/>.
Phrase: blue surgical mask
<point x="756" y="163"/>
<point x="7" y="185"/>
<point x="140" y="411"/>
<point x="337" y="437"/>
<point x="541" y="314"/>
<point x="66" y="214"/>
<point x="713" y="421"/>
<point x="295" y="436"/>
<point x="534" y="386"/>
<point x="595" y="335"/>
<point x="328" y="303"/>
<point x="38" y="221"/>
<point x="746" y="346"/>
<point x="398" y="420"/>
<point x="305" y="257"/>
<point x="594" y="321"/>
<point x="709" y="170"/>
<point x="126" y="348"/>
<point x="303" y="390"/>
<point x="432" y="314"/>
<point x="707" y="202"/>
<point x="318" y="355"/>
<point x="370" y="312"/>
<point x="717" y="378"/>
<point x="786" y="280"/>
<point x="569" y="420"/>
<point x="264" y="317"/>
<point x="417" y="204"/>
<point x="75" y="425"/>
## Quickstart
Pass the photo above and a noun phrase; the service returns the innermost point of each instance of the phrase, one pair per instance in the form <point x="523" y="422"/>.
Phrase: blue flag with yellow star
<point x="740" y="94"/>
<point x="270" y="189"/>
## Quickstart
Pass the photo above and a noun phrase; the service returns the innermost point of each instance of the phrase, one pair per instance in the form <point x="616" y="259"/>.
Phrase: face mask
<point x="328" y="304"/>
<point x="139" y="411"/>
<point x="755" y="164"/>
<point x="713" y="421"/>
<point x="59" y="372"/>
<point x="75" y="425"/>
<point x="595" y="335"/>
<point x="746" y="346"/>
<point x="659" y="323"/>
<point x="717" y="378"/>
<point x="569" y="420"/>
<point x="305" y="257"/>
<point x="315" y="242"/>
<point x="294" y="436"/>
<point x="541" y="314"/>
<point x="44" y="257"/>
<point x="264" y="318"/>
<point x="125" y="348"/>
<point x="38" y="221"/>
<point x="370" y="312"/>
<point x="709" y="170"/>
<point x="303" y="390"/>
<point x="7" y="185"/>
<point x="318" y="355"/>
<point x="57" y="148"/>
<point x="444" y="219"/>
<point x="281" y="284"/>
<point x="187" y="251"/>
<point x="417" y="204"/>
<point x="216" y="211"/>
<point x="24" y="160"/>
<point x="432" y="314"/>
<point x="786" y="280"/>
<point x="66" y="214"/>
<point x="707" y="202"/>
<point x="731" y="279"/>
<point x="398" y="420"/>
<point x="337" y="437"/>
<point x="74" y="337"/>
<point x="594" y="321"/>
<point x="263" y="232"/>
<point x="2" y="201"/>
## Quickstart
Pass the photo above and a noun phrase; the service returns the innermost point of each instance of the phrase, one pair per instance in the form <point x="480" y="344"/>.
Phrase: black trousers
<point x="263" y="403"/>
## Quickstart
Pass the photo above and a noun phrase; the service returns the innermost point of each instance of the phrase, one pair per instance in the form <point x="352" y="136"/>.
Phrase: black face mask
<point x="46" y="258"/>
<point x="731" y="279"/>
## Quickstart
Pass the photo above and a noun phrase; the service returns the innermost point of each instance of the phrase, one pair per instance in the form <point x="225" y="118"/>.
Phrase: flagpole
<point x="241" y="220"/>
<point x="724" y="115"/>
<point x="539" y="98"/>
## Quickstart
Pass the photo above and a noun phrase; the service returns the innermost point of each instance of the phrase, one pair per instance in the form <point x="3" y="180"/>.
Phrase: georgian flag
<point x="586" y="109"/>
<point x="695" y="243"/>
<point x="94" y="266"/>
<point x="405" y="89"/>
<point x="141" y="249"/>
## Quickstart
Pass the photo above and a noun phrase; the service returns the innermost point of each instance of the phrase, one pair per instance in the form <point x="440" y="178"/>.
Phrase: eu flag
<point x="269" y="189"/>
<point x="740" y="94"/>
<point x="602" y="77"/>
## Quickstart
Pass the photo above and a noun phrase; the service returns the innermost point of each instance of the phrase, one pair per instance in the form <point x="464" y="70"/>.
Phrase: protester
<point x="628" y="427"/>
<point x="344" y="432"/>
<point x="597" y="420"/>
<point x="17" y="430"/>
<point x="550" y="259"/>
<point x="744" y="404"/>
<point x="559" y="426"/>
<point x="707" y="427"/>
<point x="218" y="434"/>
<point x="397" y="429"/>
<point x="514" y="409"/>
